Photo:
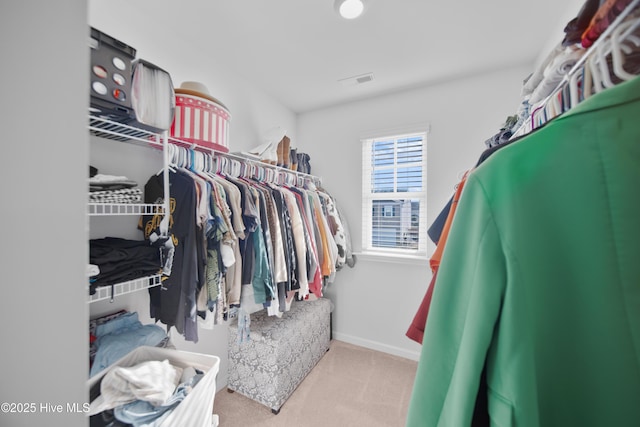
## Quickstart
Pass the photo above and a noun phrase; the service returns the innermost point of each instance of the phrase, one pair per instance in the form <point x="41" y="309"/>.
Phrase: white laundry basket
<point x="196" y="410"/>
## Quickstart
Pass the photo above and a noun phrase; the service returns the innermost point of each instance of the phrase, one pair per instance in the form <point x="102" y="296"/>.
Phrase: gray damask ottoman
<point x="280" y="353"/>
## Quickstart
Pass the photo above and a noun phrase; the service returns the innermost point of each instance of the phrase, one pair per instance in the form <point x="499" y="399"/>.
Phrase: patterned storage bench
<point x="280" y="353"/>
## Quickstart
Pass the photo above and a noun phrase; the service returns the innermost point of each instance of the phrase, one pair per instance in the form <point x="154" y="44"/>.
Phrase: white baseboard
<point x="374" y="345"/>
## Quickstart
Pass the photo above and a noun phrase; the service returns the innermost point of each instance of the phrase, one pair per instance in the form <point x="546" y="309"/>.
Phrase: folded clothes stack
<point x="120" y="260"/>
<point x="113" y="189"/>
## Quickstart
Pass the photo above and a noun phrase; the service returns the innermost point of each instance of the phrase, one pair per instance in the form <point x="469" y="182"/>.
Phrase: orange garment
<point x="434" y="261"/>
<point x="326" y="259"/>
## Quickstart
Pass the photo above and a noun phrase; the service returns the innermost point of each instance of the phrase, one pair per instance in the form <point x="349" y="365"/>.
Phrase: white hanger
<point x="198" y="161"/>
<point x="618" y="48"/>
<point x="574" y="91"/>
<point x="257" y="172"/>
<point x="207" y="163"/>
<point x="171" y="150"/>
<point x="222" y="166"/>
<point x="600" y="58"/>
<point x="594" y="70"/>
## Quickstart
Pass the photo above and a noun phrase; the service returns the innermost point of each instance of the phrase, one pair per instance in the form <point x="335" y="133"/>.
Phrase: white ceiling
<point x="297" y="50"/>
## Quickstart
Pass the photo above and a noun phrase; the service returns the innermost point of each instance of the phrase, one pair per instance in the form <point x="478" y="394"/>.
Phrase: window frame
<point x="368" y="196"/>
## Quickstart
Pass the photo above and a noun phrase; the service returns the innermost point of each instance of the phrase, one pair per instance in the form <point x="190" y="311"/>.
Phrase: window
<point x="394" y="197"/>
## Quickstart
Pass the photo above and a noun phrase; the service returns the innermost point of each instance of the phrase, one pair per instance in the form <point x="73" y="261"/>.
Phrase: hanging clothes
<point x="416" y="329"/>
<point x="539" y="285"/>
<point x="299" y="240"/>
<point x="242" y="243"/>
<point x="174" y="302"/>
<point x="234" y="271"/>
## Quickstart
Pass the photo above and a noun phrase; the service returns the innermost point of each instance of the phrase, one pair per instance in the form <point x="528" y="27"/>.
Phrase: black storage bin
<point x="110" y="71"/>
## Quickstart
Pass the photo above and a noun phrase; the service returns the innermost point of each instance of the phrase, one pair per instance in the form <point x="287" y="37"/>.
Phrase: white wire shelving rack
<point x="110" y="292"/>
<point x="108" y="129"/>
<point x="529" y="125"/>
<point x="97" y="209"/>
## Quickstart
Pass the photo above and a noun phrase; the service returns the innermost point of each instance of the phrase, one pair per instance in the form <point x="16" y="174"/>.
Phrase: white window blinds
<point x="394" y="203"/>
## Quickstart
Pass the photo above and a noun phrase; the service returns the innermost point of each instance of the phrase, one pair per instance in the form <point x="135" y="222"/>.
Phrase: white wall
<point x="43" y="310"/>
<point x="375" y="302"/>
<point x="253" y="113"/>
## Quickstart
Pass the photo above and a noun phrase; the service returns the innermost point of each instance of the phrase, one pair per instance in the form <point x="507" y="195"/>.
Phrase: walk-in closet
<point x="339" y="212"/>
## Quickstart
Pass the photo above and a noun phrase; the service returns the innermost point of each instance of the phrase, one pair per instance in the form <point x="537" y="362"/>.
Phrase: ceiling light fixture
<point x="349" y="9"/>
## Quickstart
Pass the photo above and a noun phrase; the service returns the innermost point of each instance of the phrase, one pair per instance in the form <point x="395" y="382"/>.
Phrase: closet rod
<point x="119" y="131"/>
<point x="213" y="152"/>
<point x="577" y="66"/>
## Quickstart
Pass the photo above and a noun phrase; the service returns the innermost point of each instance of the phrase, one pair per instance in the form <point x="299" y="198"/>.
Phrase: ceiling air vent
<point x="356" y="80"/>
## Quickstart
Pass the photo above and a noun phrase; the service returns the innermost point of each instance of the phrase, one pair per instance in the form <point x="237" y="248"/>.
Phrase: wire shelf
<point x="98" y="209"/>
<point x="110" y="292"/>
<point x="529" y="125"/>
<point x="108" y="129"/>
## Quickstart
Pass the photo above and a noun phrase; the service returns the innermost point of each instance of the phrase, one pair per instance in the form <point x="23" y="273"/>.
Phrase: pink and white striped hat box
<point x="201" y="121"/>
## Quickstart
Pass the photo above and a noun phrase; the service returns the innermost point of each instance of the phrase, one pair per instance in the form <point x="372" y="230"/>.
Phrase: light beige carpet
<point x="351" y="386"/>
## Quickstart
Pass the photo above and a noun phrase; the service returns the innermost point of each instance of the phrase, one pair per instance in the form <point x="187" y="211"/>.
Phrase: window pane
<point x="382" y="153"/>
<point x="395" y="223"/>
<point x="382" y="181"/>
<point x="409" y="150"/>
<point x="393" y="167"/>
<point x="409" y="179"/>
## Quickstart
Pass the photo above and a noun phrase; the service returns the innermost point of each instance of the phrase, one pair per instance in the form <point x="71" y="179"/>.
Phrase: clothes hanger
<point x="619" y="49"/>
<point x="270" y="176"/>
<point x="210" y="164"/>
<point x="207" y="163"/>
<point x="290" y="179"/>
<point x="195" y="161"/>
<point x="538" y="117"/>
<point x="596" y="81"/>
<point x="616" y="48"/>
<point x="597" y="61"/>
<point x="236" y="168"/>
<point x="216" y="166"/>
<point x="179" y="157"/>
<point x="574" y="88"/>
<point x="221" y="168"/>
<point x="171" y="156"/>
<point x="587" y="82"/>
<point x="554" y="106"/>
<point x="258" y="173"/>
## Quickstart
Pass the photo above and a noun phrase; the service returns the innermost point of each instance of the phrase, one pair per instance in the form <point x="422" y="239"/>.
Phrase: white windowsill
<point x="393" y="258"/>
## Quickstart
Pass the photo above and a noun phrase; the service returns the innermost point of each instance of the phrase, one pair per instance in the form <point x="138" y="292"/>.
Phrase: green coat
<point x="540" y="280"/>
